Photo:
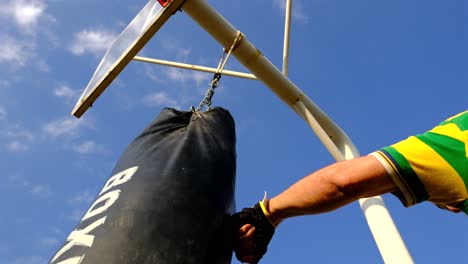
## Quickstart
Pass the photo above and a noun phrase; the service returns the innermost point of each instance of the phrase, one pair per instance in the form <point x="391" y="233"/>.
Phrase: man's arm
<point x="330" y="188"/>
<point x="322" y="191"/>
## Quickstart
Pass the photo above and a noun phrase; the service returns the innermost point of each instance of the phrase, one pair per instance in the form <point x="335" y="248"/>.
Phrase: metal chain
<point x="207" y="100"/>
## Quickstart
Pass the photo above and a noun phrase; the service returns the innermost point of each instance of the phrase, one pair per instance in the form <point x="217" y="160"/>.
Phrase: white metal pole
<point x="194" y="67"/>
<point x="378" y="218"/>
<point x="287" y="30"/>
<point x="382" y="225"/>
<point x="303" y="112"/>
<point x="220" y="29"/>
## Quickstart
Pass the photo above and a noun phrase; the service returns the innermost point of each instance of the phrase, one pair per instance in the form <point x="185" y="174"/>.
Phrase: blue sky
<point x="382" y="70"/>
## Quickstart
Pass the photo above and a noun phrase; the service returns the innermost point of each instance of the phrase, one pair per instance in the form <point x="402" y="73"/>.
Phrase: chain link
<point x="207" y="100"/>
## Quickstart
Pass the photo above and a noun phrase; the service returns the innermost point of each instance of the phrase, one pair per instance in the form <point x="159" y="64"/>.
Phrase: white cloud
<point x="20" y="138"/>
<point x="94" y="41"/>
<point x="17" y="146"/>
<point x="12" y="51"/>
<point x="159" y="99"/>
<point x="172" y="46"/>
<point x="76" y="214"/>
<point x="28" y="13"/>
<point x="18" y="47"/>
<point x="82" y="198"/>
<point x="40" y="190"/>
<point x="18" y="132"/>
<point x="63" y="127"/>
<point x="86" y="147"/>
<point x="18" y="180"/>
<point x="35" y="189"/>
<point x="200" y="78"/>
<point x="48" y="241"/>
<point x="153" y="74"/>
<point x="185" y="76"/>
<point x="42" y="65"/>
<point x="3" y="113"/>
<point x="297" y="10"/>
<point x="25" y="13"/>
<point x="18" y="53"/>
<point x="66" y="92"/>
<point x="181" y="76"/>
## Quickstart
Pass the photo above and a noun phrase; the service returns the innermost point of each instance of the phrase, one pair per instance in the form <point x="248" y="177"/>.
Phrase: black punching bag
<point x="168" y="200"/>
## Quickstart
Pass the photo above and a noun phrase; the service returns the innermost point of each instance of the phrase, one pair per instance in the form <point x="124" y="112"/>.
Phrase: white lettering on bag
<point x="119" y="178"/>
<point x="107" y="200"/>
<point x="83" y="237"/>
<point x="80" y="238"/>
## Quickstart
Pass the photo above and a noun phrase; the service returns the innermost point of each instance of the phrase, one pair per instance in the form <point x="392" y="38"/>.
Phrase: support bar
<point x="303" y="112"/>
<point x="287" y="30"/>
<point x="220" y="29"/>
<point x="382" y="224"/>
<point x="378" y="218"/>
<point x="194" y="67"/>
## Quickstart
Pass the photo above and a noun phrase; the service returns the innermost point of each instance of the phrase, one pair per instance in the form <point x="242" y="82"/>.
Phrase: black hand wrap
<point x="264" y="231"/>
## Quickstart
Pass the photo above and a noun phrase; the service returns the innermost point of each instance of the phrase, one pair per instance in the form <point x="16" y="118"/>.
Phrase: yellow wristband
<point x="265" y="211"/>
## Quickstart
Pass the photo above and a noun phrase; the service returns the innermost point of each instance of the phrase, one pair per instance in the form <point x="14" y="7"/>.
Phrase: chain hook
<point x="207" y="100"/>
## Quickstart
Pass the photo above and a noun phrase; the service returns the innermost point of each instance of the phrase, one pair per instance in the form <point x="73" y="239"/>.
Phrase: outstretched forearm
<point x="331" y="187"/>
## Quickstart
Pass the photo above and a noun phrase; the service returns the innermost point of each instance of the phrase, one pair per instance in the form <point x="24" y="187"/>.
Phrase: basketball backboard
<point x="132" y="39"/>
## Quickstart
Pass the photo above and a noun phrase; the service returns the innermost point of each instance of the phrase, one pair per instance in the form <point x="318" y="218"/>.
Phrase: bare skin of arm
<point x="332" y="187"/>
<point x="325" y="190"/>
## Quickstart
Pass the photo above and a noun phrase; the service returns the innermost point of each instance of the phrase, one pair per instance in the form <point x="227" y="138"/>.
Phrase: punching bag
<point x="168" y="200"/>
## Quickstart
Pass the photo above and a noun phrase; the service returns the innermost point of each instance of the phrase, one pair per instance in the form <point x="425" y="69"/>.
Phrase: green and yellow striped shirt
<point x="432" y="166"/>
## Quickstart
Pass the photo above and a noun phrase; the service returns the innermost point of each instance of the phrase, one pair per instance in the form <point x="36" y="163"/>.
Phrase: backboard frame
<point x="92" y="93"/>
